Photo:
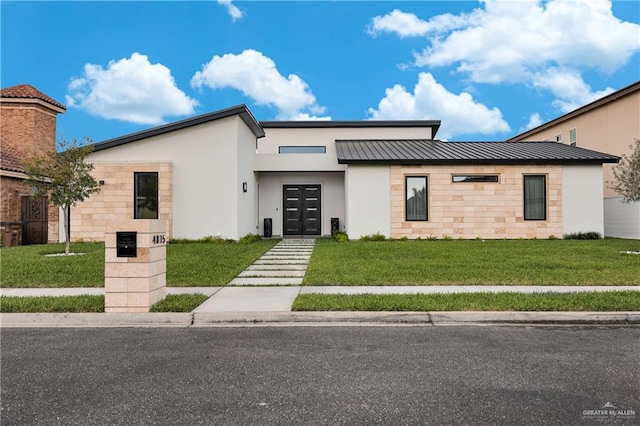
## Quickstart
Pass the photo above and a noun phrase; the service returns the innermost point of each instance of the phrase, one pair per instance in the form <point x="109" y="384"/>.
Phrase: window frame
<point x="573" y="131"/>
<point x="136" y="176"/>
<point x="524" y="197"/>
<point x="319" y="149"/>
<point x="472" y="175"/>
<point x="426" y="197"/>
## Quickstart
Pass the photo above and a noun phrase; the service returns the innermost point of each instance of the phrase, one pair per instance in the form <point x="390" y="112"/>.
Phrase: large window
<point x="416" y="193"/>
<point x="145" y="195"/>
<point x="535" y="197"/>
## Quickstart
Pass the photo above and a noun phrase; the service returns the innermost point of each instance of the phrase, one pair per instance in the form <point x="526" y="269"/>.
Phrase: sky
<point x="487" y="69"/>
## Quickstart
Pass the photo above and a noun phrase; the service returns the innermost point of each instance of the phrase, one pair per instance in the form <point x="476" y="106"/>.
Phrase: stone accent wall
<point x="476" y="210"/>
<point x="27" y="128"/>
<point x="115" y="200"/>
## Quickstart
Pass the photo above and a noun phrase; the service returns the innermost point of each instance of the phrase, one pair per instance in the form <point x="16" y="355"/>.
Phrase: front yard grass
<point x="188" y="264"/>
<point x="494" y="262"/>
<point x="91" y="304"/>
<point x="548" y="302"/>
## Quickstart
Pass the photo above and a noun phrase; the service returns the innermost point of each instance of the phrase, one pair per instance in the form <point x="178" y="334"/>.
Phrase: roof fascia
<point x="633" y="87"/>
<point x="470" y="162"/>
<point x="33" y="101"/>
<point x="240" y="110"/>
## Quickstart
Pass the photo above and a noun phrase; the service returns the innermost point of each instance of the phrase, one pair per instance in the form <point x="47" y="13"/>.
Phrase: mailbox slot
<point x="126" y="244"/>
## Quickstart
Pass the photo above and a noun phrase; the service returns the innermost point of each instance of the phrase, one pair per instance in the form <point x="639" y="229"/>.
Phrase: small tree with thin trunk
<point x="627" y="175"/>
<point x="63" y="176"/>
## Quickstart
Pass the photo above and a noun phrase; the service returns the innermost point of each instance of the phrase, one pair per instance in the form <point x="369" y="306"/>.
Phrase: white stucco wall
<point x="621" y="220"/>
<point x="205" y="174"/>
<point x="247" y="201"/>
<point x="582" y="199"/>
<point x="368" y="201"/>
<point x="270" y="197"/>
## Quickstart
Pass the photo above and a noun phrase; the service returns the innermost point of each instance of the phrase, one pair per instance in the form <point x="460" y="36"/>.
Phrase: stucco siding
<point x="582" y="202"/>
<point x="247" y="201"/>
<point x="205" y="175"/>
<point x="476" y="210"/>
<point x="270" y="197"/>
<point x="368" y="201"/>
<point x="621" y="220"/>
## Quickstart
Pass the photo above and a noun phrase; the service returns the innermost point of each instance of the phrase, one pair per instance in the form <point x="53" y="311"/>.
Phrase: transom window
<point x="535" y="197"/>
<point x="416" y="198"/>
<point x="474" y="178"/>
<point x="302" y="150"/>
<point x="145" y="195"/>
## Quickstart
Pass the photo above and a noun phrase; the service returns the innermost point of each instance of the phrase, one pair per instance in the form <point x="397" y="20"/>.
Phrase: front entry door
<point x="301" y="210"/>
<point x="34" y="221"/>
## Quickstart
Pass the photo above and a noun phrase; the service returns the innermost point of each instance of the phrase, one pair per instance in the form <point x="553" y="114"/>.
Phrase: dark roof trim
<point x="317" y="124"/>
<point x="240" y="110"/>
<point x="633" y="87"/>
<point x="434" y="152"/>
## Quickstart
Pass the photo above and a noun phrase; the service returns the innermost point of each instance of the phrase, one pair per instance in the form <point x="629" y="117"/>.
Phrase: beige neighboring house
<point x="226" y="174"/>
<point x="609" y="124"/>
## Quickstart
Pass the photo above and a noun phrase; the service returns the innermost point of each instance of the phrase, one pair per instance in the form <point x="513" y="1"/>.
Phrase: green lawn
<point x="188" y="264"/>
<point x="498" y="262"/>
<point x="548" y="302"/>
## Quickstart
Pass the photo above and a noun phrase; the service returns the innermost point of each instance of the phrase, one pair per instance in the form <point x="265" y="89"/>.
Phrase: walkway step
<point x="279" y="256"/>
<point x="266" y="281"/>
<point x="254" y="273"/>
<point x="263" y="261"/>
<point x="280" y="267"/>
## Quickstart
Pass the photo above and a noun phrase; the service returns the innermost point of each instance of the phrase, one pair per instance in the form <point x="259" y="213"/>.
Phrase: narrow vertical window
<point x="416" y="196"/>
<point x="535" y="197"/>
<point x="145" y="195"/>
<point x="573" y="136"/>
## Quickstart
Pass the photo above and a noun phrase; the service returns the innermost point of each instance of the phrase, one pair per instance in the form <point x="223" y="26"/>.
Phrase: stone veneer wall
<point x="472" y="210"/>
<point x="115" y="199"/>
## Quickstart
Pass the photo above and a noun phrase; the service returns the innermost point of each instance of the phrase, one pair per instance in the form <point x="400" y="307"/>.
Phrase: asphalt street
<point x="321" y="375"/>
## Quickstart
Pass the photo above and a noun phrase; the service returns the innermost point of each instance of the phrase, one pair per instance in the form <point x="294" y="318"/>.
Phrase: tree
<point x="627" y="175"/>
<point x="63" y="176"/>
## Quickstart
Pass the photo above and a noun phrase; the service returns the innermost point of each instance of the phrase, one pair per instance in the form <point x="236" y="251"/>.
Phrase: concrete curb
<point x="174" y="319"/>
<point x="316" y="318"/>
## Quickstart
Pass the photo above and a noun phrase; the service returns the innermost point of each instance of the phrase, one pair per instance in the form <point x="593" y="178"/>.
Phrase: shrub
<point x="592" y="235"/>
<point x="373" y="237"/>
<point x="340" y="237"/>
<point x="250" y="238"/>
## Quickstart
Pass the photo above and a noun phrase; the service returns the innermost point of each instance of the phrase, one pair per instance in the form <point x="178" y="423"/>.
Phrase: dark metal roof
<point x="317" y="124"/>
<point x="422" y="151"/>
<point x="240" y="110"/>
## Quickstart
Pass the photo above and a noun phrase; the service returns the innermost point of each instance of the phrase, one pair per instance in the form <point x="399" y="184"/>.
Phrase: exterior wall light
<point x="244" y="186"/>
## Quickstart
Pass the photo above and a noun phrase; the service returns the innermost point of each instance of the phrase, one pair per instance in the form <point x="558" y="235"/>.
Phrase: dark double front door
<point x="301" y="210"/>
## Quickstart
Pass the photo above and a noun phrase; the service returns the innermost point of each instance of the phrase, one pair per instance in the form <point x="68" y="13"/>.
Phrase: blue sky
<point x="488" y="70"/>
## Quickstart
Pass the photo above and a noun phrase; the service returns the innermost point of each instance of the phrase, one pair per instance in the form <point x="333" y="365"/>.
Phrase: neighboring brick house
<point x="28" y="126"/>
<point x="609" y="124"/>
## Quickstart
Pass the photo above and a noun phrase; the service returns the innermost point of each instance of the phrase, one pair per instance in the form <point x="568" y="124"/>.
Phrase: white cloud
<point x="460" y="114"/>
<point x="257" y="77"/>
<point x="534" y="121"/>
<point x="518" y="41"/>
<point x="232" y="9"/>
<point x="130" y="89"/>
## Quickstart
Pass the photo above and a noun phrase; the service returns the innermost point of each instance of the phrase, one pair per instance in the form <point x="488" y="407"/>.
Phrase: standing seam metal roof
<point x="423" y="151"/>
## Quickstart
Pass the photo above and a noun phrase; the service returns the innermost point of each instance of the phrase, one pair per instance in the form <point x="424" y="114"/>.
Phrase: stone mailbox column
<point x="135" y="269"/>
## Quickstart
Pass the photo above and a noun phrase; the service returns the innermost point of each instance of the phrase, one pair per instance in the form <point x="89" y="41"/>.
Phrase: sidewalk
<point x="249" y="306"/>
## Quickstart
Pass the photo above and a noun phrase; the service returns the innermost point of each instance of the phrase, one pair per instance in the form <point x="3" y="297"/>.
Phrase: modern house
<point x="28" y="126"/>
<point x="226" y="174"/>
<point x="609" y="124"/>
